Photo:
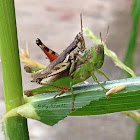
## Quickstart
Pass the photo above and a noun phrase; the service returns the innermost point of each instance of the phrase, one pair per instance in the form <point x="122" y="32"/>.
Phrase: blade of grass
<point x="128" y="60"/>
<point x="89" y="100"/>
<point x="16" y="127"/>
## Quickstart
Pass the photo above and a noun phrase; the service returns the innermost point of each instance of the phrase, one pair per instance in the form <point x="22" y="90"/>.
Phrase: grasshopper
<point x="93" y="61"/>
<point x="69" y="56"/>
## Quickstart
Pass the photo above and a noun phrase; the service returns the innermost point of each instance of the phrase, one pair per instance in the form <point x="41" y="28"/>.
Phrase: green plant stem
<point x="131" y="47"/>
<point x="11" y="71"/>
<point x="128" y="60"/>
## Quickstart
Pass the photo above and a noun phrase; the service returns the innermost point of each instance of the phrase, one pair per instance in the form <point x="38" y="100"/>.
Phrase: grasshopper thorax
<point x="97" y="53"/>
<point x="80" y="38"/>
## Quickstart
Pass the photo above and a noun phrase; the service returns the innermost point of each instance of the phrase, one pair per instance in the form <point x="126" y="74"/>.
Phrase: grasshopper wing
<point x="52" y="55"/>
<point x="55" y="73"/>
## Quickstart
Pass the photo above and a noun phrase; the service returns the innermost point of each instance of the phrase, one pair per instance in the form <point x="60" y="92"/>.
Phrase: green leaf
<point x="89" y="100"/>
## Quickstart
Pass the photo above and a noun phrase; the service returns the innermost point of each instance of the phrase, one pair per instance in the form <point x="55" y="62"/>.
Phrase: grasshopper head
<point x="97" y="56"/>
<point x="80" y="38"/>
<point x="98" y="52"/>
<point x="81" y="42"/>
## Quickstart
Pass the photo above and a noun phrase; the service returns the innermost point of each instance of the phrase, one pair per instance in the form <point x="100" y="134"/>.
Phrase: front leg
<point x="95" y="79"/>
<point x="72" y="67"/>
<point x="101" y="73"/>
<point x="80" y="58"/>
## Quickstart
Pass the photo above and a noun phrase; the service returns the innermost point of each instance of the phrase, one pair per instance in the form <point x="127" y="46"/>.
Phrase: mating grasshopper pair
<point x="69" y="68"/>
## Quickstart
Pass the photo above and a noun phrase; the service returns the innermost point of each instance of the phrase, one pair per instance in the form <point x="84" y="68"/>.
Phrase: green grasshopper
<point x="92" y="61"/>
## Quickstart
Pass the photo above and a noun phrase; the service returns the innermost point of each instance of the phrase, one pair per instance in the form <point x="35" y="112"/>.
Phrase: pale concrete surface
<point x="57" y="22"/>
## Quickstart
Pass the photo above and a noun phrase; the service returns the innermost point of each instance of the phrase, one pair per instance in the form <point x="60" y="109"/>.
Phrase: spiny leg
<point x="95" y="79"/>
<point x="62" y="89"/>
<point x="73" y="63"/>
<point x="72" y="94"/>
<point x="80" y="59"/>
<point x="101" y="73"/>
<point x="72" y="68"/>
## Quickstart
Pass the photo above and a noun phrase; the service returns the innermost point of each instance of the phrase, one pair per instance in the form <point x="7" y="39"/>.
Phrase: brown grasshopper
<point x="68" y="56"/>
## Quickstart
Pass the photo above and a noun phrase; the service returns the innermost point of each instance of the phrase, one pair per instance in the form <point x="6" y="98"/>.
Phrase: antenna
<point x="101" y="37"/>
<point x="81" y="23"/>
<point x="106" y="34"/>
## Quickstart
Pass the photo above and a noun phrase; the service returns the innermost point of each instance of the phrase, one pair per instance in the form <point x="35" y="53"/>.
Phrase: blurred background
<point x="56" y="23"/>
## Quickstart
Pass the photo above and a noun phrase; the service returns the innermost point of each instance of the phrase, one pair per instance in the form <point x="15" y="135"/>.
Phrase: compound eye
<point x="38" y="80"/>
<point x="98" y="49"/>
<point x="79" y="36"/>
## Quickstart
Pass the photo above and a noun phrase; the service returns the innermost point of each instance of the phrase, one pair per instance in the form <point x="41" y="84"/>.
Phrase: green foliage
<point x="10" y="56"/>
<point x="132" y="46"/>
<point x="133" y="37"/>
<point x="14" y="127"/>
<point x="137" y="133"/>
<point x="89" y="100"/>
<point x="109" y="53"/>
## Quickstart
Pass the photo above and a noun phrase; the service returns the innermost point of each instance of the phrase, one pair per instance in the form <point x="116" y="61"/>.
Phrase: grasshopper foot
<point x="28" y="93"/>
<point x="55" y="96"/>
<point x="72" y="108"/>
<point x="62" y="92"/>
<point x="108" y="97"/>
<point x="27" y="69"/>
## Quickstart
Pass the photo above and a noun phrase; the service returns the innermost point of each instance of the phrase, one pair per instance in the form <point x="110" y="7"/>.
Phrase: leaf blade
<point x="89" y="100"/>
